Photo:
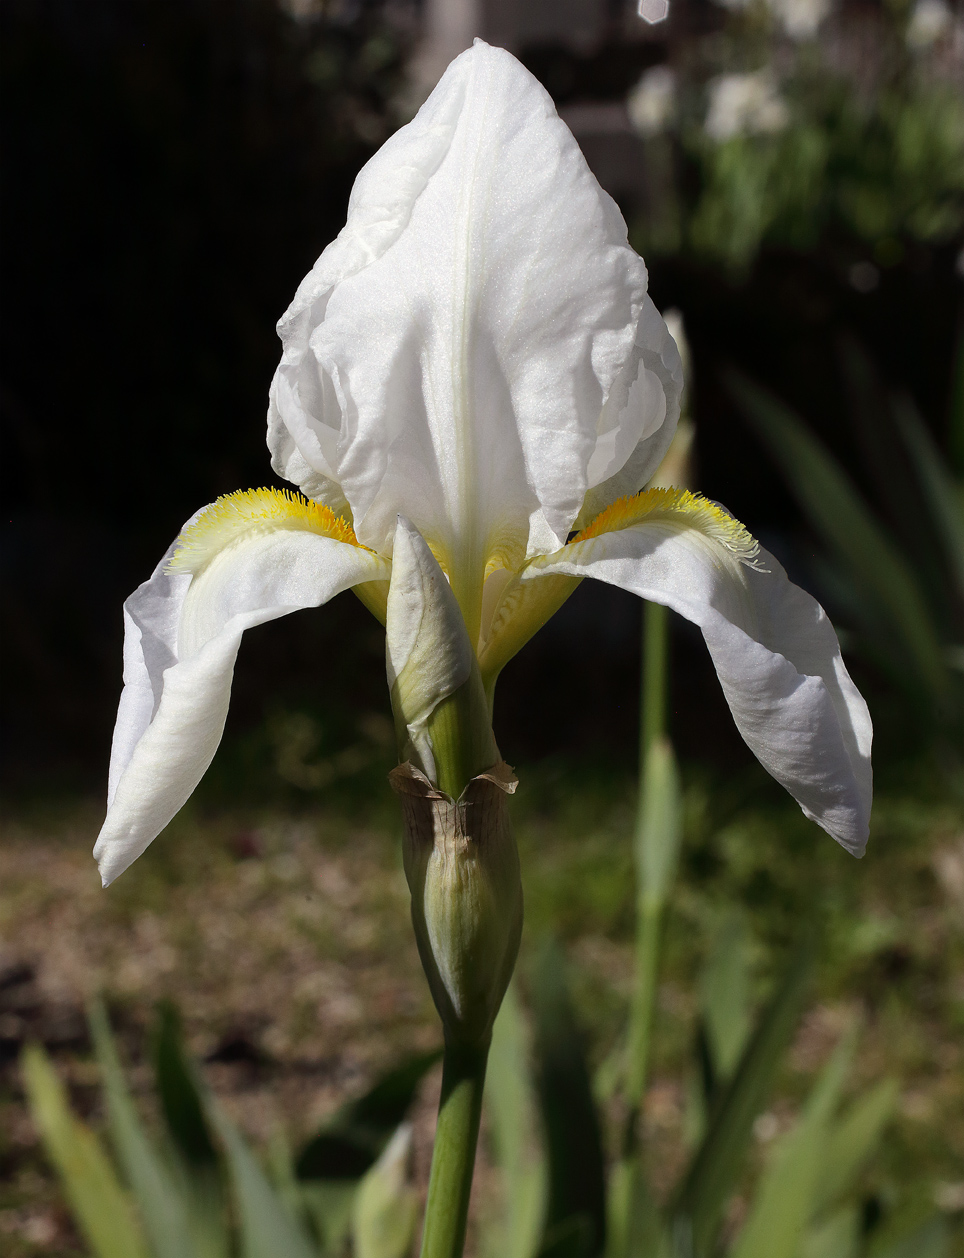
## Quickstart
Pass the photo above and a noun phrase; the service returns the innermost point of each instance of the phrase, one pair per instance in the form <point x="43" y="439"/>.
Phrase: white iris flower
<point x="474" y="388"/>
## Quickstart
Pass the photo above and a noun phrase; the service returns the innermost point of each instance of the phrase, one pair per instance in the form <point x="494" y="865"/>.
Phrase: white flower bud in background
<point x="744" y="104"/>
<point x="929" y="21"/>
<point x="800" y="19"/>
<point x="653" y="11"/>
<point x="651" y="104"/>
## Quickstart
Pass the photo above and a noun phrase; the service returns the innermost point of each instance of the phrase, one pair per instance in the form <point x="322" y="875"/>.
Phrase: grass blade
<point x="930" y="1239"/>
<point x="836" y="1237"/>
<point x="657" y="844"/>
<point x="98" y="1201"/>
<point x="725" y="993"/>
<point x="635" y="1225"/>
<point x="352" y="1140"/>
<point x="838" y="513"/>
<point x="718" y="1162"/>
<point x="195" y="1158"/>
<point x="852" y="1141"/>
<point x="784" y="1199"/>
<point x="942" y="495"/>
<point x="267" y="1229"/>
<point x="510" y="1107"/>
<point x="576" y="1210"/>
<point x="162" y="1206"/>
<point x="385" y="1209"/>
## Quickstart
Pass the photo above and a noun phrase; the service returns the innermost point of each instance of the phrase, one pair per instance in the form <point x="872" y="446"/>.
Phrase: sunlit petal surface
<point x="774" y="650"/>
<point x="183" y="631"/>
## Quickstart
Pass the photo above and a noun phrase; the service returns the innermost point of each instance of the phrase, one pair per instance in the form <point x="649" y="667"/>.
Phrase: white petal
<point x="475" y="350"/>
<point x="649" y="417"/>
<point x="774" y="650"/>
<point x="427" y="648"/>
<point x="182" y="635"/>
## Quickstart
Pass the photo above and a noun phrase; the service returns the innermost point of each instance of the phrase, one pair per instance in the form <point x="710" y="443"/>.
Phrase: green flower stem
<point x="653" y="885"/>
<point x="462" y="739"/>
<point x="655" y="664"/>
<point x="453" y="1158"/>
<point x="648" y="931"/>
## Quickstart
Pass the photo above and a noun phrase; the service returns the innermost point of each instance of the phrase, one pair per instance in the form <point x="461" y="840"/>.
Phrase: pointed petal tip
<point x="106" y="866"/>
<point x="851" y="830"/>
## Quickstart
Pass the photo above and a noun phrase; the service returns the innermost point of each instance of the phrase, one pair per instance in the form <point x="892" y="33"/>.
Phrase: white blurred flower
<point x="801" y="19"/>
<point x="653" y="11"/>
<point x="744" y="104"/>
<point x="929" y="20"/>
<point x="651" y="104"/>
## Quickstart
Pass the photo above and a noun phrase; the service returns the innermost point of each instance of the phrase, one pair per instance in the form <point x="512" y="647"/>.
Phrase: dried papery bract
<point x="462" y="867"/>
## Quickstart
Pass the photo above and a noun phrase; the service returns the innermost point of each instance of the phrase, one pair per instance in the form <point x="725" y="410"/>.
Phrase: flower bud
<point x="442" y="718"/>
<point x="462" y="866"/>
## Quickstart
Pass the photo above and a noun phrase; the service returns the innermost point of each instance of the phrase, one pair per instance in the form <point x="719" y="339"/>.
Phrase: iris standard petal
<point x="773" y="648"/>
<point x="183" y="631"/>
<point x="468" y="352"/>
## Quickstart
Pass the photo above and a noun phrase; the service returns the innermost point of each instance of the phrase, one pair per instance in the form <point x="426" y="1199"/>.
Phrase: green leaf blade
<point x="716" y="1167"/>
<point x="160" y="1200"/>
<point x="99" y="1203"/>
<point x="837" y="511"/>
<point x="267" y="1229"/>
<point x="510" y="1105"/>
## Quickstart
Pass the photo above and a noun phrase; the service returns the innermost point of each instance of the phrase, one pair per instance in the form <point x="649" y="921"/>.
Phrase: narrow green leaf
<point x="510" y="1106"/>
<point x="351" y="1141"/>
<point x="718" y="1162"/>
<point x="930" y="1239"/>
<point x="385" y="1208"/>
<point x="195" y="1161"/>
<point x="835" y="1237"/>
<point x="955" y="428"/>
<point x="784" y="1199"/>
<point x="162" y="1206"/>
<point x="657" y="844"/>
<point x="181" y="1101"/>
<point x="329" y="1206"/>
<point x="267" y="1229"/>
<point x="635" y="1226"/>
<point x="652" y="709"/>
<point x="839" y="514"/>
<point x="99" y="1203"/>
<point x="576" y="1210"/>
<point x="852" y="1140"/>
<point x="825" y="1096"/>
<point x="725" y="993"/>
<point x="659" y="823"/>
<point x="943" y="495"/>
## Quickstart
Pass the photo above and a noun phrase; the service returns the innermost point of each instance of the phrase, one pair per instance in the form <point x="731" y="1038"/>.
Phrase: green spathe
<point x="462" y="866"/>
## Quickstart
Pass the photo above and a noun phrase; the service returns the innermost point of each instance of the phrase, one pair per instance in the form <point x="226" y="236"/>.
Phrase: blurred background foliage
<point x="793" y="173"/>
<point x="793" y="176"/>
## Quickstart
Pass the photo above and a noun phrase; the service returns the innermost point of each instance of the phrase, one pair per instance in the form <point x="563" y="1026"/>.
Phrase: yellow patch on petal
<point x="248" y="511"/>
<point x="677" y="507"/>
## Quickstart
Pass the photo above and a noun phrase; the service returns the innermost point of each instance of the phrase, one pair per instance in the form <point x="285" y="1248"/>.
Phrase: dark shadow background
<point x="172" y="169"/>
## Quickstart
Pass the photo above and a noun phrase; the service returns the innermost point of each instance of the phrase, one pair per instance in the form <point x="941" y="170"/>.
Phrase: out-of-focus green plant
<point x="900" y="584"/>
<point x="561" y="1200"/>
<point x="196" y="1190"/>
<point x="805" y="1202"/>
<point x="769" y="135"/>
